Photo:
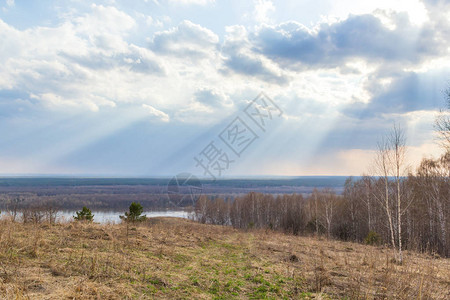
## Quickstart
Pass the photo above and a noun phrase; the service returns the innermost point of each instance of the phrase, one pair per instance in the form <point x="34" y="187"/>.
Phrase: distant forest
<point x="117" y="193"/>
<point x="305" y="181"/>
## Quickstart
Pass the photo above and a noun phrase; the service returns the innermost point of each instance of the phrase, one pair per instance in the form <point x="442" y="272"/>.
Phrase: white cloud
<point x="156" y="22"/>
<point x="83" y="63"/>
<point x="263" y="8"/>
<point x="207" y="106"/>
<point x="92" y="103"/>
<point x="187" y="39"/>
<point x="104" y="19"/>
<point x="415" y="9"/>
<point x="104" y="27"/>
<point x="189" y="2"/>
<point x="239" y="58"/>
<point x="153" y="112"/>
<point x="212" y="98"/>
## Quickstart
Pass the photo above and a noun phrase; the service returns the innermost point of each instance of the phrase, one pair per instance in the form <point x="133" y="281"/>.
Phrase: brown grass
<point x="175" y="258"/>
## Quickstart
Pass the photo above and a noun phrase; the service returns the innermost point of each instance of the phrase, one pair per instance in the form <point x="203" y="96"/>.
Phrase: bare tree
<point x="442" y="124"/>
<point x="51" y="209"/>
<point x="201" y="211"/>
<point x="349" y="194"/>
<point x="316" y="210"/>
<point x="367" y="184"/>
<point x="390" y="162"/>
<point x="14" y="205"/>
<point x="382" y="165"/>
<point x="397" y="142"/>
<point x="434" y="181"/>
<point x="328" y="200"/>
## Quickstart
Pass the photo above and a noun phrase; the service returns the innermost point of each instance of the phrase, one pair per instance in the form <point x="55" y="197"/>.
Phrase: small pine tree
<point x="372" y="238"/>
<point x="134" y="213"/>
<point x="84" y="215"/>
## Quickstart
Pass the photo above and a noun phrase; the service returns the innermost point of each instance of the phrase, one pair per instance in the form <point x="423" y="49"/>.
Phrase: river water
<point x="105" y="217"/>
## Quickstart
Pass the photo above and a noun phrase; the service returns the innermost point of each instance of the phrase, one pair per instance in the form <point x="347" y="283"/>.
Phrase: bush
<point x="372" y="238"/>
<point x="134" y="213"/>
<point x="84" y="215"/>
<point x="343" y="232"/>
<point x="311" y="227"/>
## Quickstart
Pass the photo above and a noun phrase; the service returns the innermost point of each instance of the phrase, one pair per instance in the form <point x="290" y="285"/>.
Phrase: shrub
<point x="343" y="232"/>
<point x="311" y="227"/>
<point x="372" y="238"/>
<point x="134" y="213"/>
<point x="84" y="215"/>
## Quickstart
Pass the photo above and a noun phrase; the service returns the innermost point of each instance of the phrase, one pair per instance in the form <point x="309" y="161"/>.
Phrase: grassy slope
<point x="175" y="258"/>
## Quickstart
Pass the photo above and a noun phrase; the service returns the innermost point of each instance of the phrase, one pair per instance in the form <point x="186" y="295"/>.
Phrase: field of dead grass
<point x="169" y="258"/>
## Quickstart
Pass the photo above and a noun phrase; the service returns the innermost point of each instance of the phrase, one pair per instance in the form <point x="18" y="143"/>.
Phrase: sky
<point x="217" y="88"/>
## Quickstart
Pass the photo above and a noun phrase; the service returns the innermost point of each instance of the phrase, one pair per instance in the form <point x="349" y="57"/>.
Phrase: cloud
<point x="359" y="36"/>
<point x="239" y="59"/>
<point x="156" y="22"/>
<point x="430" y="4"/>
<point x="190" y="2"/>
<point x="247" y="65"/>
<point x="212" y="98"/>
<point x="102" y="19"/>
<point x="54" y="101"/>
<point x="185" y="40"/>
<point x="207" y="106"/>
<point x="196" y="113"/>
<point x="143" y="61"/>
<point x="103" y="27"/>
<point x="262" y="10"/>
<point x="83" y="62"/>
<point x="153" y="112"/>
<point x="135" y="59"/>
<point x="404" y="93"/>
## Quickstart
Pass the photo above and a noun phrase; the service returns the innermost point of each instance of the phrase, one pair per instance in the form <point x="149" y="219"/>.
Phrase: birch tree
<point x="397" y="143"/>
<point x="382" y="166"/>
<point x="390" y="162"/>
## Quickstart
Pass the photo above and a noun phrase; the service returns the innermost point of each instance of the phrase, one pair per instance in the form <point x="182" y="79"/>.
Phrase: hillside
<point x="181" y="259"/>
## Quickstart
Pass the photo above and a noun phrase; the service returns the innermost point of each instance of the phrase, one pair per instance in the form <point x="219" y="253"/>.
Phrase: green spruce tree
<point x="84" y="215"/>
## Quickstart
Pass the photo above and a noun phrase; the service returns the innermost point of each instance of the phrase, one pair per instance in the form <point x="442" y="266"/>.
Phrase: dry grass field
<point x="168" y="258"/>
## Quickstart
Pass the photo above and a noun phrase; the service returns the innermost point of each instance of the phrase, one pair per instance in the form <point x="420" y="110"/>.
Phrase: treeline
<point x="107" y="200"/>
<point x="368" y="210"/>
